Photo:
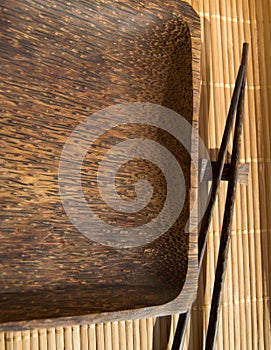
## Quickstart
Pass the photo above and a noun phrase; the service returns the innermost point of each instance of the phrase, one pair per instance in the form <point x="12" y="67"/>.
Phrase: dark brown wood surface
<point x="59" y="63"/>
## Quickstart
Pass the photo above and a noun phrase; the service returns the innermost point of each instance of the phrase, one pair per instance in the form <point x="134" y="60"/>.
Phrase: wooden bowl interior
<point x="61" y="62"/>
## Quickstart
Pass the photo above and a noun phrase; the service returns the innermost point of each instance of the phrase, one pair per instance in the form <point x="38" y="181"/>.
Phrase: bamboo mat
<point x="245" y="317"/>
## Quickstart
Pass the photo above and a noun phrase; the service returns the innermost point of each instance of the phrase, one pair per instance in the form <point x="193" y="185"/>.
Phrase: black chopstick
<point x="205" y="222"/>
<point x="227" y="220"/>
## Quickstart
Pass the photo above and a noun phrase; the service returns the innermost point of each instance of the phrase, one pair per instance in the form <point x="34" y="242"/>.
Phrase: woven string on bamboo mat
<point x="245" y="315"/>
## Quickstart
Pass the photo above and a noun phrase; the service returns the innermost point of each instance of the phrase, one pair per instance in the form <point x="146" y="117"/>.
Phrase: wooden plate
<point x="61" y="64"/>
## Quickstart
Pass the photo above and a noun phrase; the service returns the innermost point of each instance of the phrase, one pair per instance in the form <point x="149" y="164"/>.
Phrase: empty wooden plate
<point x="62" y="64"/>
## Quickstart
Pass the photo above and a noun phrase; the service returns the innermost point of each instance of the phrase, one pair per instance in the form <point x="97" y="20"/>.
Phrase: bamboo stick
<point x="34" y="339"/>
<point x="150" y="332"/>
<point x="129" y="335"/>
<point x="75" y="337"/>
<point x="100" y="336"/>
<point x="207" y="40"/>
<point x="143" y="334"/>
<point x="231" y="298"/>
<point x="252" y="269"/>
<point x="9" y="341"/>
<point x="196" y="325"/>
<point x="256" y="242"/>
<point x="59" y="335"/>
<point x="51" y="339"/>
<point x="17" y="340"/>
<point x="115" y="336"/>
<point x="267" y="262"/>
<point x="217" y="75"/>
<point x="108" y="336"/>
<point x="240" y="271"/>
<point x="136" y="335"/>
<point x="254" y="229"/>
<point x="171" y="335"/>
<point x="247" y="296"/>
<point x="26" y="340"/>
<point x="68" y="338"/>
<point x="200" y="309"/>
<point x="225" y="323"/>
<point x="83" y="337"/>
<point x="2" y="341"/>
<point x="188" y="341"/>
<point x="257" y="239"/>
<point x="42" y="339"/>
<point x="92" y="343"/>
<point x="234" y="302"/>
<point x="252" y="219"/>
<point x="205" y="72"/>
<point x="249" y="144"/>
<point x="122" y="335"/>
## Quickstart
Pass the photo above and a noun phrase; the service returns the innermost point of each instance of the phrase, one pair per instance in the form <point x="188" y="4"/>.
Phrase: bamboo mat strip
<point x="83" y="337"/>
<point x="150" y="333"/>
<point x="17" y="341"/>
<point x="129" y="334"/>
<point x="100" y="337"/>
<point x="143" y="334"/>
<point x="122" y="336"/>
<point x="136" y="335"/>
<point x="26" y="340"/>
<point x="108" y="336"/>
<point x="34" y="340"/>
<point x="9" y="341"/>
<point x="42" y="339"/>
<point x="115" y="336"/>
<point x="68" y="338"/>
<point x="59" y="338"/>
<point x="2" y="341"/>
<point x="51" y="339"/>
<point x="92" y="337"/>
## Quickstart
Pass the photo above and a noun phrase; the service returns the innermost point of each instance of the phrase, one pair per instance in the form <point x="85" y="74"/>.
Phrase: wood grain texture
<point x="61" y="62"/>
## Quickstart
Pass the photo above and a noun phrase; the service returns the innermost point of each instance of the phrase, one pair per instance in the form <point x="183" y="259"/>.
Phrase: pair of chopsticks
<point x="236" y="107"/>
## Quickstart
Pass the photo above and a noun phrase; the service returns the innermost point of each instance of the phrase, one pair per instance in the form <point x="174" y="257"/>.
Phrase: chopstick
<point x="227" y="220"/>
<point x="206" y="220"/>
